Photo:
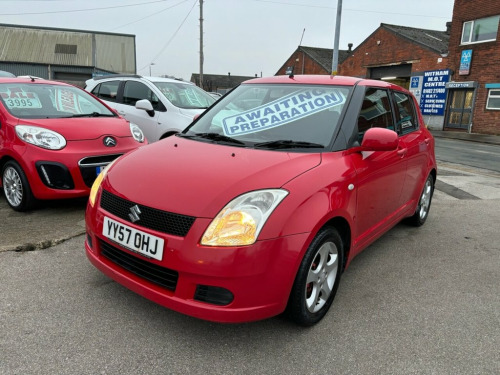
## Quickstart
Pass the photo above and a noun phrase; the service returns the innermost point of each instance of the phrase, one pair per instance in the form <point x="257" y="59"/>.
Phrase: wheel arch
<point x="168" y="134"/>
<point x="3" y="160"/>
<point x="344" y="229"/>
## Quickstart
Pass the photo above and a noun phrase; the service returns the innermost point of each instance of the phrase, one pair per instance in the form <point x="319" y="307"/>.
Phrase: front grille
<point x="88" y="166"/>
<point x="161" y="221"/>
<point x="161" y="276"/>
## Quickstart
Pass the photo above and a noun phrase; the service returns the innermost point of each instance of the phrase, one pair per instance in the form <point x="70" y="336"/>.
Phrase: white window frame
<point x="496" y="96"/>
<point x="469" y="37"/>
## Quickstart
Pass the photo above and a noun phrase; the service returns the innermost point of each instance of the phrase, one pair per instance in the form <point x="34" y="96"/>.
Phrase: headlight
<point x="41" y="137"/>
<point x="97" y="182"/>
<point x="241" y="220"/>
<point x="136" y="133"/>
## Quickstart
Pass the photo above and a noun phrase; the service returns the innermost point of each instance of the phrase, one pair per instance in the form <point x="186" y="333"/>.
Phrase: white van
<point x="159" y="106"/>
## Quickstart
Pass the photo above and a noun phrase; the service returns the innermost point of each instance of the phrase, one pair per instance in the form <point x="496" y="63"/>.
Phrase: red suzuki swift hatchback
<point x="55" y="139"/>
<point x="259" y="206"/>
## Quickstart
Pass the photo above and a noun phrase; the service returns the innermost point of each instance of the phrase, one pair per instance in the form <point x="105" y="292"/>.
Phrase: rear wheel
<point x="424" y="204"/>
<point x="317" y="280"/>
<point x="16" y="187"/>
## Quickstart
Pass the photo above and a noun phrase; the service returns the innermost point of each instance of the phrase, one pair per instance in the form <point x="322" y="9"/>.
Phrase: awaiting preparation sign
<point x="434" y="91"/>
<point x="282" y="111"/>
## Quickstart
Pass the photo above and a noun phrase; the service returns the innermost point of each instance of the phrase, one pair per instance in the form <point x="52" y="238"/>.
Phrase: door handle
<point x="402" y="152"/>
<point x="427" y="141"/>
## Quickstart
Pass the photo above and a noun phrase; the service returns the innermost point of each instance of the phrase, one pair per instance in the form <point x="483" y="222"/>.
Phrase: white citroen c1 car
<point x="159" y="106"/>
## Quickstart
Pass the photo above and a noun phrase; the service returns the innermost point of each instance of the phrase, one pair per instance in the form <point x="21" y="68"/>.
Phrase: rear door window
<point x="107" y="91"/>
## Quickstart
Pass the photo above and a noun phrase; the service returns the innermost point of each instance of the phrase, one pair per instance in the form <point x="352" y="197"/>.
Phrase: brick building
<point x="219" y="83"/>
<point x="474" y="54"/>
<point x="311" y="60"/>
<point x="395" y="53"/>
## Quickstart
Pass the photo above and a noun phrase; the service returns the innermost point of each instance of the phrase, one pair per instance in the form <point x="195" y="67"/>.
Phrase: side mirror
<point x="379" y="139"/>
<point x="145" y="105"/>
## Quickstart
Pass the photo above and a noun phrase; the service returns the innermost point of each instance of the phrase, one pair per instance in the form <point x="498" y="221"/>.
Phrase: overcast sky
<point x="243" y="37"/>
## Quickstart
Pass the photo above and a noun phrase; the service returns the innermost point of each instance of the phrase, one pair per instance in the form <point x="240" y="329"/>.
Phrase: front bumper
<point x="254" y="281"/>
<point x="68" y="173"/>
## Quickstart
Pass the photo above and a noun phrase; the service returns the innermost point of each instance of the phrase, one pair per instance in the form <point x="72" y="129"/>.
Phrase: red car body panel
<point x="345" y="188"/>
<point x="84" y="138"/>
<point x="219" y="173"/>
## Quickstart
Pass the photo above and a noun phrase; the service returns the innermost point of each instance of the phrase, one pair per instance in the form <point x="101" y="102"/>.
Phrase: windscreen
<point x="267" y="114"/>
<point x="30" y="101"/>
<point x="185" y="95"/>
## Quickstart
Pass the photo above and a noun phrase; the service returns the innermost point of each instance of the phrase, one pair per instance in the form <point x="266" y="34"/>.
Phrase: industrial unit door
<point x="460" y="109"/>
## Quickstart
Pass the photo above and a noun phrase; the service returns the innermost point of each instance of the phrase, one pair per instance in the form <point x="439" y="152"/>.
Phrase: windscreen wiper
<point x="282" y="143"/>
<point x="213" y="137"/>
<point x="93" y="114"/>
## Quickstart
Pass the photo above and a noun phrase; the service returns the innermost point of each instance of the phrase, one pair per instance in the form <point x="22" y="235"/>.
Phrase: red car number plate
<point x="133" y="239"/>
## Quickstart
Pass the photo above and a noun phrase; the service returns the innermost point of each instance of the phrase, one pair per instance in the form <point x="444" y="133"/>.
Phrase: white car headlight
<point x="241" y="220"/>
<point x="41" y="137"/>
<point x="137" y="133"/>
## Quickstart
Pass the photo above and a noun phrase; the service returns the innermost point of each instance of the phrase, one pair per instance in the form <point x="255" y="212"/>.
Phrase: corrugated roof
<point x="432" y="39"/>
<point x="324" y="56"/>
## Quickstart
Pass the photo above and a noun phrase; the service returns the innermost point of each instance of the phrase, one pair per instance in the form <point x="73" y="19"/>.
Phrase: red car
<point x="55" y="139"/>
<point x="259" y="206"/>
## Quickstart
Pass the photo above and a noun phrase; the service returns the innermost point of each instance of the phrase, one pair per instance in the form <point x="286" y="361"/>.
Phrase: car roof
<point x="4" y="73"/>
<point x="150" y="79"/>
<point x="322" y="80"/>
<point x="31" y="80"/>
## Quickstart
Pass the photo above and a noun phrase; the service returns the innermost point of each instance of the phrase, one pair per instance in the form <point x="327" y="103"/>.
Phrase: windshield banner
<point x="282" y="111"/>
<point x="67" y="101"/>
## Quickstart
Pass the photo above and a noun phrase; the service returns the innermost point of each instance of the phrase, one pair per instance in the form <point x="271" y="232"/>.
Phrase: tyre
<point x="424" y="204"/>
<point x="16" y="188"/>
<point x="317" y="279"/>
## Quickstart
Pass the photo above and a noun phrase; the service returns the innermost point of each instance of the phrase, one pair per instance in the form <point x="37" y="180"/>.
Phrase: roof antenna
<point x="290" y="69"/>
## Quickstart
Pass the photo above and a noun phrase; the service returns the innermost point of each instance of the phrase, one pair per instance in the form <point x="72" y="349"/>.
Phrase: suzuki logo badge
<point x="134" y="213"/>
<point x="109" y="142"/>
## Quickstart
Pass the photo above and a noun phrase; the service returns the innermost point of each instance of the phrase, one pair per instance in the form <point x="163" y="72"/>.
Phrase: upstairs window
<point x="482" y="30"/>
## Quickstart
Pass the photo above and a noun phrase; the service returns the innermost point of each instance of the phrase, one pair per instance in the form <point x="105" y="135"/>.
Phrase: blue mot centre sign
<point x="433" y="99"/>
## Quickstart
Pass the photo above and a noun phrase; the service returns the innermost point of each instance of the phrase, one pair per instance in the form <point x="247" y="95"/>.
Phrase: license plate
<point x="133" y="239"/>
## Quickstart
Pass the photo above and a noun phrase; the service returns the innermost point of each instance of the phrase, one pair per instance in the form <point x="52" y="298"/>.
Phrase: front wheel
<point x="317" y="279"/>
<point x="16" y="187"/>
<point x="424" y="204"/>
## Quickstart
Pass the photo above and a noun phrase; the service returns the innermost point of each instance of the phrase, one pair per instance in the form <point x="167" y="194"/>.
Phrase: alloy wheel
<point x="13" y="186"/>
<point x="321" y="276"/>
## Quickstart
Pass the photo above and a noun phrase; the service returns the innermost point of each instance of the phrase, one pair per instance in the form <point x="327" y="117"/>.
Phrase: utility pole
<point x="335" y="62"/>
<point x="201" y="43"/>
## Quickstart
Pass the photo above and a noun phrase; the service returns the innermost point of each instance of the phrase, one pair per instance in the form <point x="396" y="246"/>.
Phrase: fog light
<point x="213" y="294"/>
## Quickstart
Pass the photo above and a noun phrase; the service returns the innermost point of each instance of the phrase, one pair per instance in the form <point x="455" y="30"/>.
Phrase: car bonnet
<point x="197" y="178"/>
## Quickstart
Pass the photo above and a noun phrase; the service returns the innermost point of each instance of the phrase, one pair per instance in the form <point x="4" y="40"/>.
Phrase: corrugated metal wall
<point x="115" y="53"/>
<point x="109" y="52"/>
<point x="38" y="46"/>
